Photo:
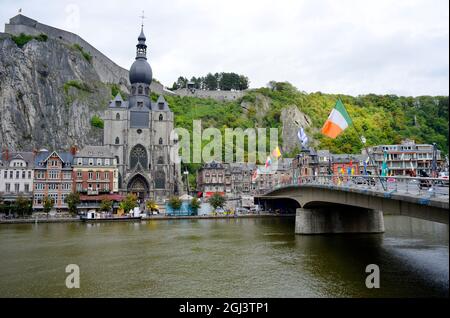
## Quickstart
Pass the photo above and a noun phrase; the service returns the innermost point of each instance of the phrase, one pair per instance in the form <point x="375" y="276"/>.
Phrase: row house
<point x="52" y="178"/>
<point x="95" y="176"/>
<point x="16" y="175"/>
<point x="407" y="158"/>
<point x="235" y="179"/>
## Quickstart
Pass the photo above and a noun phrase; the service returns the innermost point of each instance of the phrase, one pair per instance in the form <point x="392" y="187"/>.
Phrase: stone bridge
<point x="325" y="208"/>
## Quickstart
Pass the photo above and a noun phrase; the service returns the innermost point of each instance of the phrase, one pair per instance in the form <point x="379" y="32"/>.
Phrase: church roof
<point x="161" y="104"/>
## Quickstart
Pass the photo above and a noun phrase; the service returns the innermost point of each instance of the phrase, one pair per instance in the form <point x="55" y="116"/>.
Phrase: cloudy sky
<point x="346" y="46"/>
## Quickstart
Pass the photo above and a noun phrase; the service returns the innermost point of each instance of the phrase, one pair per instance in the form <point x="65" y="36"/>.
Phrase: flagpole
<point x="367" y="150"/>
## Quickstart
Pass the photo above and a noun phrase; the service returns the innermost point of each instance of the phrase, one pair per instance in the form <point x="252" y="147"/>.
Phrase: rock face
<point x="48" y="95"/>
<point x="292" y="119"/>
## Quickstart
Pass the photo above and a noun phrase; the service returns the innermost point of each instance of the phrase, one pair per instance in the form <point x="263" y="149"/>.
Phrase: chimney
<point x="73" y="150"/>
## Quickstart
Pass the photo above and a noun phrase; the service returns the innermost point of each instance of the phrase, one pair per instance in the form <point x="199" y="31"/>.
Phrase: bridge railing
<point x="408" y="185"/>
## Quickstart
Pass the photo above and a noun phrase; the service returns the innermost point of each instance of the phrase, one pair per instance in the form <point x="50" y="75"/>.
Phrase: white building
<point x="16" y="175"/>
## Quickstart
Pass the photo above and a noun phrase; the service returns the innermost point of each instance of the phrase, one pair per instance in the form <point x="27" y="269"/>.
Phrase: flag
<point x="337" y="122"/>
<point x="268" y="162"/>
<point x="302" y="137"/>
<point x="276" y="152"/>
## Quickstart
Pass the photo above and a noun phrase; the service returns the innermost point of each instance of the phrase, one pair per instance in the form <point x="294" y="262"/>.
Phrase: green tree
<point x="48" y="204"/>
<point x="129" y="202"/>
<point x="175" y="202"/>
<point x="72" y="200"/>
<point x="106" y="205"/>
<point x="23" y="205"/>
<point x="195" y="205"/>
<point x="210" y="82"/>
<point x="216" y="200"/>
<point x="151" y="205"/>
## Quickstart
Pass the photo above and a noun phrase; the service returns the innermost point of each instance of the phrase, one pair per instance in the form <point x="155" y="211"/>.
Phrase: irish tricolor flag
<point x="337" y="122"/>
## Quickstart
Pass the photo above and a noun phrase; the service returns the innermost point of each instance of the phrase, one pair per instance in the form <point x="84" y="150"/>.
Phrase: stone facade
<point x="137" y="133"/>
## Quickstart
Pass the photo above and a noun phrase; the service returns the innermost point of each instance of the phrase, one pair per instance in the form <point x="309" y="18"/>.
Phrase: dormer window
<point x="140" y="104"/>
<point x="161" y="106"/>
<point x="140" y="90"/>
<point x="118" y="103"/>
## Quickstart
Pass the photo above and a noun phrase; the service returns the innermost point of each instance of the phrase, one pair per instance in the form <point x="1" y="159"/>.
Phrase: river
<point x="260" y="257"/>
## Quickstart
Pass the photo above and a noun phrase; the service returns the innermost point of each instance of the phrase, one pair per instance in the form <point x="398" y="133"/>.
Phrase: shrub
<point x="86" y="55"/>
<point x="96" y="121"/>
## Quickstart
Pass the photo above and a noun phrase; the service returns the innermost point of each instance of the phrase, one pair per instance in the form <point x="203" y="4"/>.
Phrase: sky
<point x="348" y="46"/>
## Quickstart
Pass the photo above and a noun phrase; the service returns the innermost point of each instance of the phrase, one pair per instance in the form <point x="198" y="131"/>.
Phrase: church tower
<point x="138" y="133"/>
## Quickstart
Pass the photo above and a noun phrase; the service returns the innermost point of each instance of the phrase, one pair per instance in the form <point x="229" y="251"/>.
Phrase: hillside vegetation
<point x="382" y="119"/>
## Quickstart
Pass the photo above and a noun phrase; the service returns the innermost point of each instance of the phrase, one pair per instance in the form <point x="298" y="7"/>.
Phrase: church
<point x="137" y="132"/>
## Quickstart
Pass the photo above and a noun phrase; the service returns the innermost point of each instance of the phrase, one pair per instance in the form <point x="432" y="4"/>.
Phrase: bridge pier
<point x="334" y="219"/>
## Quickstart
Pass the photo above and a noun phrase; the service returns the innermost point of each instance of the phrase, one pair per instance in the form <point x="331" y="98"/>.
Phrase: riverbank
<point x="153" y="217"/>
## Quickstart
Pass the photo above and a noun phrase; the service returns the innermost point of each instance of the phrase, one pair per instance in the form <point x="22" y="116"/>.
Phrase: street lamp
<point x="186" y="173"/>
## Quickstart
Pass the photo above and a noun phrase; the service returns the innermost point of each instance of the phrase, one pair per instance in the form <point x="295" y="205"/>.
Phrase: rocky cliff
<point x="48" y="95"/>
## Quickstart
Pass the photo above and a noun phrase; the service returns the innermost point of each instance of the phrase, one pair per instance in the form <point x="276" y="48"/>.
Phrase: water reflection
<point x="222" y="258"/>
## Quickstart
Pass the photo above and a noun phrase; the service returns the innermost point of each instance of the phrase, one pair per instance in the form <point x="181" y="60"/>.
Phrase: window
<point x="80" y="161"/>
<point x="27" y="188"/>
<point x="133" y="90"/>
<point x="53" y="186"/>
<point x="5" y="175"/>
<point x="160" y="160"/>
<point x="90" y="174"/>
<point x="8" y="187"/>
<point x="79" y="187"/>
<point x="138" y="155"/>
<point x="11" y="174"/>
<point x="67" y="175"/>
<point x="147" y="91"/>
<point x="16" y="187"/>
<point x="91" y="161"/>
<point x="106" y="162"/>
<point x="161" y="106"/>
<point x="117" y="116"/>
<point x="38" y="198"/>
<point x="106" y="186"/>
<point x="106" y="175"/>
<point x="79" y="174"/>
<point x="53" y="174"/>
<point x="99" y="162"/>
<point x="160" y="141"/>
<point x="29" y="174"/>
<point x="40" y="186"/>
<point x="117" y="159"/>
<point x="117" y="141"/>
<point x="140" y="104"/>
<point x="140" y="90"/>
<point x="160" y="179"/>
<point x="118" y="103"/>
<point x="160" y="117"/>
<point x="66" y="186"/>
<point x="23" y="174"/>
<point x="17" y="174"/>
<point x="97" y="175"/>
